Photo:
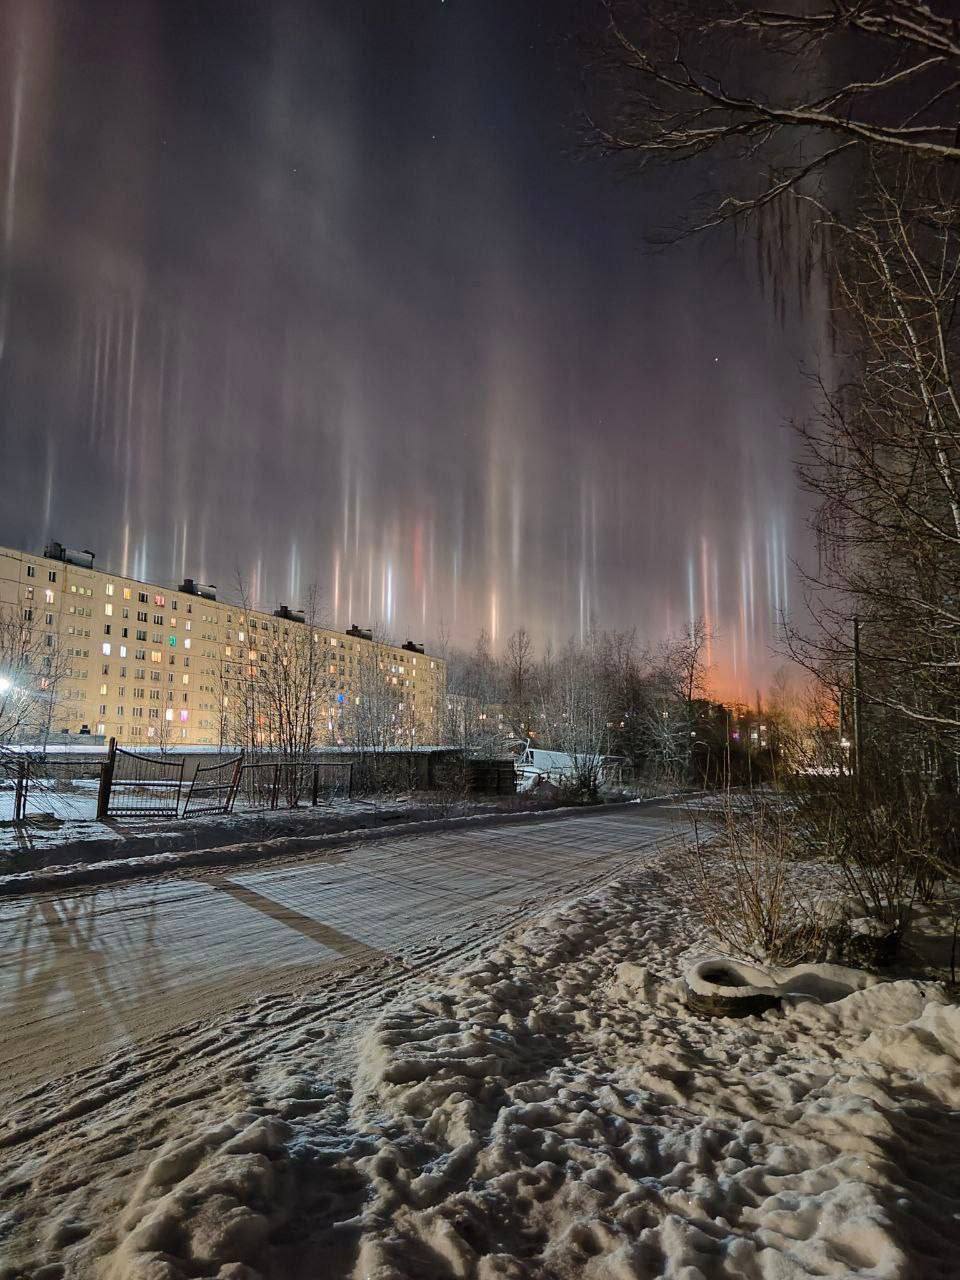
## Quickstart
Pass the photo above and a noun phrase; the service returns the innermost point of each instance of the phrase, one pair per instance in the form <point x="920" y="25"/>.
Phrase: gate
<point x="135" y="786"/>
<point x="214" y="787"/>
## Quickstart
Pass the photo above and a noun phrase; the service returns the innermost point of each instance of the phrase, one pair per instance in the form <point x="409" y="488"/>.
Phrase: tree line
<point x="609" y="695"/>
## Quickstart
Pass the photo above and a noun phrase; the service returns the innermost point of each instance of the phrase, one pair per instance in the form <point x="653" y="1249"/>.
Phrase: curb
<point x="26" y="883"/>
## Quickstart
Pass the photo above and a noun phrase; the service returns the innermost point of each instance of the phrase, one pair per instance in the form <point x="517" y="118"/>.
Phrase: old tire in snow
<point x="723" y="988"/>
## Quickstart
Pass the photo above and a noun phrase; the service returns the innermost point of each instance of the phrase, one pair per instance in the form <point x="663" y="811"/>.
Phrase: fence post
<point x="316" y="785"/>
<point x="20" y="795"/>
<point x="275" y="792"/>
<point x="234" y="783"/>
<point x="106" y="782"/>
<point x="350" y="781"/>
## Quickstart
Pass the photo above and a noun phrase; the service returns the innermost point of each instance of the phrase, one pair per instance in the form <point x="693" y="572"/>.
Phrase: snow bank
<point x="557" y="1111"/>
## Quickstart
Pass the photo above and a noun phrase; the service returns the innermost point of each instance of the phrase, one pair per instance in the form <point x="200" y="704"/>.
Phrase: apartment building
<point x="151" y="664"/>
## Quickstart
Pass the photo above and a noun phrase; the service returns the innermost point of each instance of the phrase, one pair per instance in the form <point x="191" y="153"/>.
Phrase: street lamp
<point x="6" y="685"/>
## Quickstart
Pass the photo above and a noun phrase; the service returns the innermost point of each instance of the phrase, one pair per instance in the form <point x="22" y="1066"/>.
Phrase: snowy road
<point x="94" y="971"/>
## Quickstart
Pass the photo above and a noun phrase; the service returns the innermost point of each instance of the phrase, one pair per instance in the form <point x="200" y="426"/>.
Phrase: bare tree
<point x="518" y="663"/>
<point x="31" y="669"/>
<point x="575" y="710"/>
<point x="884" y="462"/>
<point x="778" y="99"/>
<point x="32" y="666"/>
<point x="776" y="95"/>
<point x="676" y="684"/>
<point x="474" y="698"/>
<point x="293" y="687"/>
<point x="373" y="722"/>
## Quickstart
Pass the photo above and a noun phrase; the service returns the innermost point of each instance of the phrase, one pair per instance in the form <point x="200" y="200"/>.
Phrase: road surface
<point x="99" y="970"/>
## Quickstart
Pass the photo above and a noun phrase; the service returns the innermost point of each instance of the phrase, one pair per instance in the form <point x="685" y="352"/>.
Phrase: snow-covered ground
<point x="538" y="1102"/>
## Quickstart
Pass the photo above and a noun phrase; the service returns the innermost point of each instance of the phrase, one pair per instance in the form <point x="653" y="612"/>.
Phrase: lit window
<point x="168" y="714"/>
<point x="160" y="600"/>
<point x="127" y="593"/>
<point x="123" y="651"/>
<point x="106" y="648"/>
<point x="173" y="641"/>
<point x="226" y="648"/>
<point x="103" y="690"/>
<point x="186" y="643"/>
<point x="240" y="636"/>
<point x="101" y="730"/>
<point x="108" y="610"/>
<point x="109" y="588"/>
<point x="156" y="656"/>
<point x="184" y="716"/>
<point x="48" y="596"/>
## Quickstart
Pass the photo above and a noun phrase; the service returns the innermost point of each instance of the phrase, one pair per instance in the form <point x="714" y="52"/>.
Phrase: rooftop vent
<point x="57" y="551"/>
<point x="291" y="615"/>
<point x="206" y="591"/>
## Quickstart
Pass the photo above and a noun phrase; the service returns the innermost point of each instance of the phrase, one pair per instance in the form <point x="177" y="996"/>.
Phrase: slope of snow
<point x="554" y="1110"/>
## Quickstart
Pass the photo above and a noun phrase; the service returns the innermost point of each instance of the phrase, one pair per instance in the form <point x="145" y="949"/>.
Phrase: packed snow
<point x="553" y="1110"/>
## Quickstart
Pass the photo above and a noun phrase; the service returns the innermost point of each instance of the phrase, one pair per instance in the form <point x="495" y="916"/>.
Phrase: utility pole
<point x="857" y="708"/>
<point x="840" y="735"/>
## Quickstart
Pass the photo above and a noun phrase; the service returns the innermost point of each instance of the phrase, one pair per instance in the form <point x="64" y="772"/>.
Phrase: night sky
<point x="299" y="291"/>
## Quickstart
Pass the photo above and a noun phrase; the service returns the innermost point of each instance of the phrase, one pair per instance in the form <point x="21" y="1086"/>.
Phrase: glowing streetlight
<point x="6" y="685"/>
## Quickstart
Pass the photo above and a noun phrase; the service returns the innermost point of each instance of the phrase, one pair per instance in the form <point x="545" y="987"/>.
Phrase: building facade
<point x="153" y="665"/>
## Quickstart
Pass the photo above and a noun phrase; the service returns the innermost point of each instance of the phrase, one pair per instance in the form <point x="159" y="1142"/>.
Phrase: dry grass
<point x="745" y="881"/>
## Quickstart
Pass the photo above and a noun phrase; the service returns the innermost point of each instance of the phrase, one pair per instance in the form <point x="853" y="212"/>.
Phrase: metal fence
<point x="114" y="782"/>
<point x="288" y="784"/>
<point x="331" y="782"/>
<point x="46" y="786"/>
<point x="135" y="786"/>
<point x="213" y="788"/>
<point x="258" y="786"/>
